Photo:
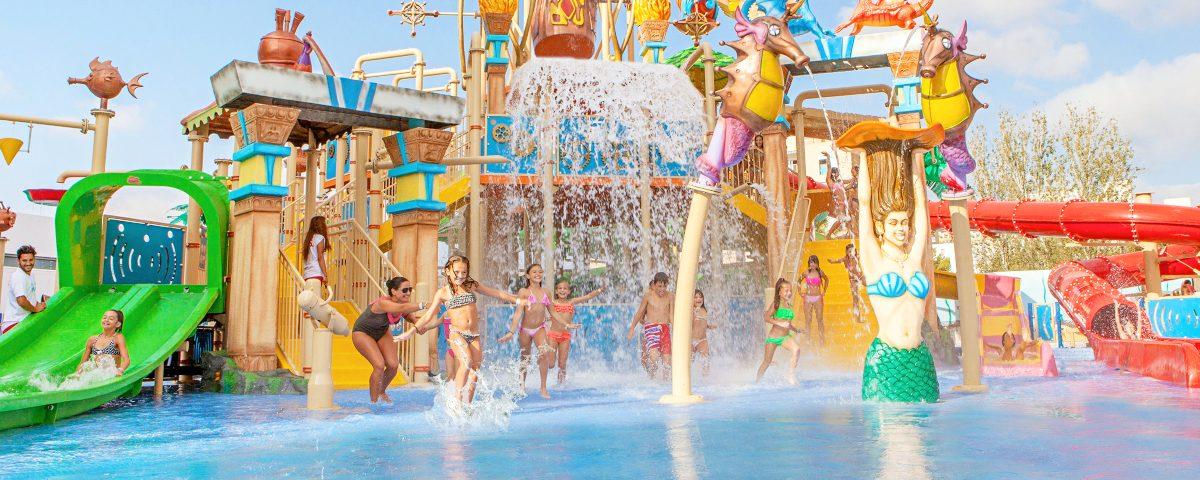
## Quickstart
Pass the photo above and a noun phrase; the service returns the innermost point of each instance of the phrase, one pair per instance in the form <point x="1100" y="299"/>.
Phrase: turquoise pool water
<point x="1091" y="423"/>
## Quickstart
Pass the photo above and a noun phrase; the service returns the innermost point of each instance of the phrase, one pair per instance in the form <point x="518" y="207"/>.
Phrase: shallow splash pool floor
<point x="1091" y="423"/>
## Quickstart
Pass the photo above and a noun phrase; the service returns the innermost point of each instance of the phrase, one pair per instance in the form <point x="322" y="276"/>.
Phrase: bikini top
<point x="111" y="349"/>
<point x="545" y="299"/>
<point x="891" y="285"/>
<point x="564" y="307"/>
<point x="784" y="313"/>
<point x="814" y="281"/>
<point x="460" y="300"/>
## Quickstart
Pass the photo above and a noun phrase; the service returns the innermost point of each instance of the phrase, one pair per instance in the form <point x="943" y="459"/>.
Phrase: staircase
<point x="846" y="340"/>
<point x="350" y="370"/>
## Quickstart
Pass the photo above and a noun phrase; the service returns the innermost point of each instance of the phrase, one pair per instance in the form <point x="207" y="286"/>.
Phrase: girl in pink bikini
<point x="534" y="323"/>
<point x="815" y="285"/>
<point x="563" y="316"/>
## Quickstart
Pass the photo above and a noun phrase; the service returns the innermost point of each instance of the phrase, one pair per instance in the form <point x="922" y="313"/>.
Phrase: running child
<point x="563" y="316"/>
<point x="654" y="314"/>
<point x="782" y="333"/>
<point x="533" y="322"/>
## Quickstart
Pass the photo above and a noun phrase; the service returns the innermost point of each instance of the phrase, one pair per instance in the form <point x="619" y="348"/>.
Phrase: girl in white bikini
<point x="700" y="328"/>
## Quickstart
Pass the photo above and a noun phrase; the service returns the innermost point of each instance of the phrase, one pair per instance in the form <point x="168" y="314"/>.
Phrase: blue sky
<point x="1135" y="61"/>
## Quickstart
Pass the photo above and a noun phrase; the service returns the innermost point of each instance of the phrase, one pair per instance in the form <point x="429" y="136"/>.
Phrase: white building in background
<point x="37" y="231"/>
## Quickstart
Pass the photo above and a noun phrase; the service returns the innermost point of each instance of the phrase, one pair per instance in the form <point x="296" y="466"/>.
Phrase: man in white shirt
<point x="22" y="291"/>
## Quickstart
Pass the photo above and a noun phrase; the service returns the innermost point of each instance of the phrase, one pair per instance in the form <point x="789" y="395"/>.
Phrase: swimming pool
<point x="1092" y="422"/>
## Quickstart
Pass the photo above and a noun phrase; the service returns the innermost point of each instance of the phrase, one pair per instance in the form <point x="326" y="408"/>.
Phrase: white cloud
<point x="1152" y="14"/>
<point x="130" y="117"/>
<point x="1190" y="191"/>
<point x="1021" y="37"/>
<point x="1002" y="13"/>
<point x="1154" y="104"/>
<point x="1030" y="50"/>
<point x="146" y="203"/>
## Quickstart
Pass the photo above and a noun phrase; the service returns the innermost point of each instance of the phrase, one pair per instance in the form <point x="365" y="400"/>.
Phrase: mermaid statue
<point x="893" y="229"/>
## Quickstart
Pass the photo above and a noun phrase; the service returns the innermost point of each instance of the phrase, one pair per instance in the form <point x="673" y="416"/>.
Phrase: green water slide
<point x="46" y="347"/>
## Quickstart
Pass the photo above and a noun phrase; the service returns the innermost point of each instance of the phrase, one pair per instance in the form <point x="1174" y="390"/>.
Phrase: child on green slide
<point x="108" y="346"/>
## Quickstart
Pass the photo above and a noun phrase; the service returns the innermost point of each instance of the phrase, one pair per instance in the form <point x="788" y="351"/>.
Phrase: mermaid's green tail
<point x="899" y="375"/>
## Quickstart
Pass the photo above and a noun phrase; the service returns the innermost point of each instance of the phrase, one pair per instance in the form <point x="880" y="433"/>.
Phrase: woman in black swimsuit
<point x="372" y="339"/>
<point x="110" y="343"/>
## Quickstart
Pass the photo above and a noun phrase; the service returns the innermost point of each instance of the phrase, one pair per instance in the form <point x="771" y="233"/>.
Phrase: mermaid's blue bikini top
<point x="891" y="285"/>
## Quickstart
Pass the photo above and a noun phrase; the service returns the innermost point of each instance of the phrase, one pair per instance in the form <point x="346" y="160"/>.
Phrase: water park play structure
<point x="569" y="152"/>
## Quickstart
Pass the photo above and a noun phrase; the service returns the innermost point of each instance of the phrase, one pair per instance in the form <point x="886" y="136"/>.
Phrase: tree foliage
<point x="1081" y="154"/>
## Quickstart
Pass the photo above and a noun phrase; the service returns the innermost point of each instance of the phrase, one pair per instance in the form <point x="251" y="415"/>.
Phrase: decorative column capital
<point x="260" y="132"/>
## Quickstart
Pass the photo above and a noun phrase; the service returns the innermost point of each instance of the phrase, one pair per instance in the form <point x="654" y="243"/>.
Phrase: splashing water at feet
<point x="95" y="371"/>
<point x="496" y="394"/>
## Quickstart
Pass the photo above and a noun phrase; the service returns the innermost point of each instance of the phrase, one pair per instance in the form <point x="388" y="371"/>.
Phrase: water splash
<point x="606" y="120"/>
<point x="97" y="370"/>
<point x="496" y="394"/>
<point x="609" y="104"/>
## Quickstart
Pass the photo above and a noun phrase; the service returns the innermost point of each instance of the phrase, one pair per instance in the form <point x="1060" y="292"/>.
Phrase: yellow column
<point x="968" y="298"/>
<point x="1150" y="257"/>
<point x="100" y="139"/>
<point x="685" y="285"/>
<point x="191" y="236"/>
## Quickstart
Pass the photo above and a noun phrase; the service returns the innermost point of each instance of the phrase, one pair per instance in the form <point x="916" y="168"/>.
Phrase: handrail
<point x="382" y="256"/>
<point x="418" y="63"/>
<point x="288" y="338"/>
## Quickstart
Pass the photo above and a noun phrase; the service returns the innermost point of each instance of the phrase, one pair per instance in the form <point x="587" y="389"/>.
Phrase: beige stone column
<point x="477" y="208"/>
<point x="775" y="174"/>
<point x="1150" y="258"/>
<point x="254" y="248"/>
<point x="254" y="280"/>
<point x="415" y="253"/>
<point x="358" y="167"/>
<point x="191" y="236"/>
<point x="968" y="298"/>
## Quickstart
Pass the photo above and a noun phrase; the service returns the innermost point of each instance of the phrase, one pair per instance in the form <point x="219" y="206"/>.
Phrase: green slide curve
<point x="157" y="317"/>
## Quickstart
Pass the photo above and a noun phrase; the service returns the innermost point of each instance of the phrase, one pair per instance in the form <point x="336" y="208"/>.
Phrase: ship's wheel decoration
<point x="696" y="25"/>
<point x="413" y="13"/>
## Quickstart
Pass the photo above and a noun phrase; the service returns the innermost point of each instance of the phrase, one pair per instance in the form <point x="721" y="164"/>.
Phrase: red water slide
<point x="1118" y="331"/>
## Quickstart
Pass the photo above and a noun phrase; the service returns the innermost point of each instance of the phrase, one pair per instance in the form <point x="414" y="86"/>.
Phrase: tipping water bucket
<point x="564" y="28"/>
<point x="9" y="148"/>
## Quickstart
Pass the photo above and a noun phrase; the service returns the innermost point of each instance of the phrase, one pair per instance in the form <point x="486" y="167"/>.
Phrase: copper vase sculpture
<point x="282" y="48"/>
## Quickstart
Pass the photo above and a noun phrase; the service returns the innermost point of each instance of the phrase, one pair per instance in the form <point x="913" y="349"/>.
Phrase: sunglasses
<point x="406" y="290"/>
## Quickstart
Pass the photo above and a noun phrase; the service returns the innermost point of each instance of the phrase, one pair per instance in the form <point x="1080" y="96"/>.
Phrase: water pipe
<point x="797" y="118"/>
<point x="418" y="62"/>
<point x="99" y="146"/>
<point x="451" y="86"/>
<point x="83" y="125"/>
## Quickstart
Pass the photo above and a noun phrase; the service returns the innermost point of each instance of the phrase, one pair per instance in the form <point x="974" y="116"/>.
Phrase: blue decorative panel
<point x="1175" y="317"/>
<point x="578" y="155"/>
<point x="136" y="252"/>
